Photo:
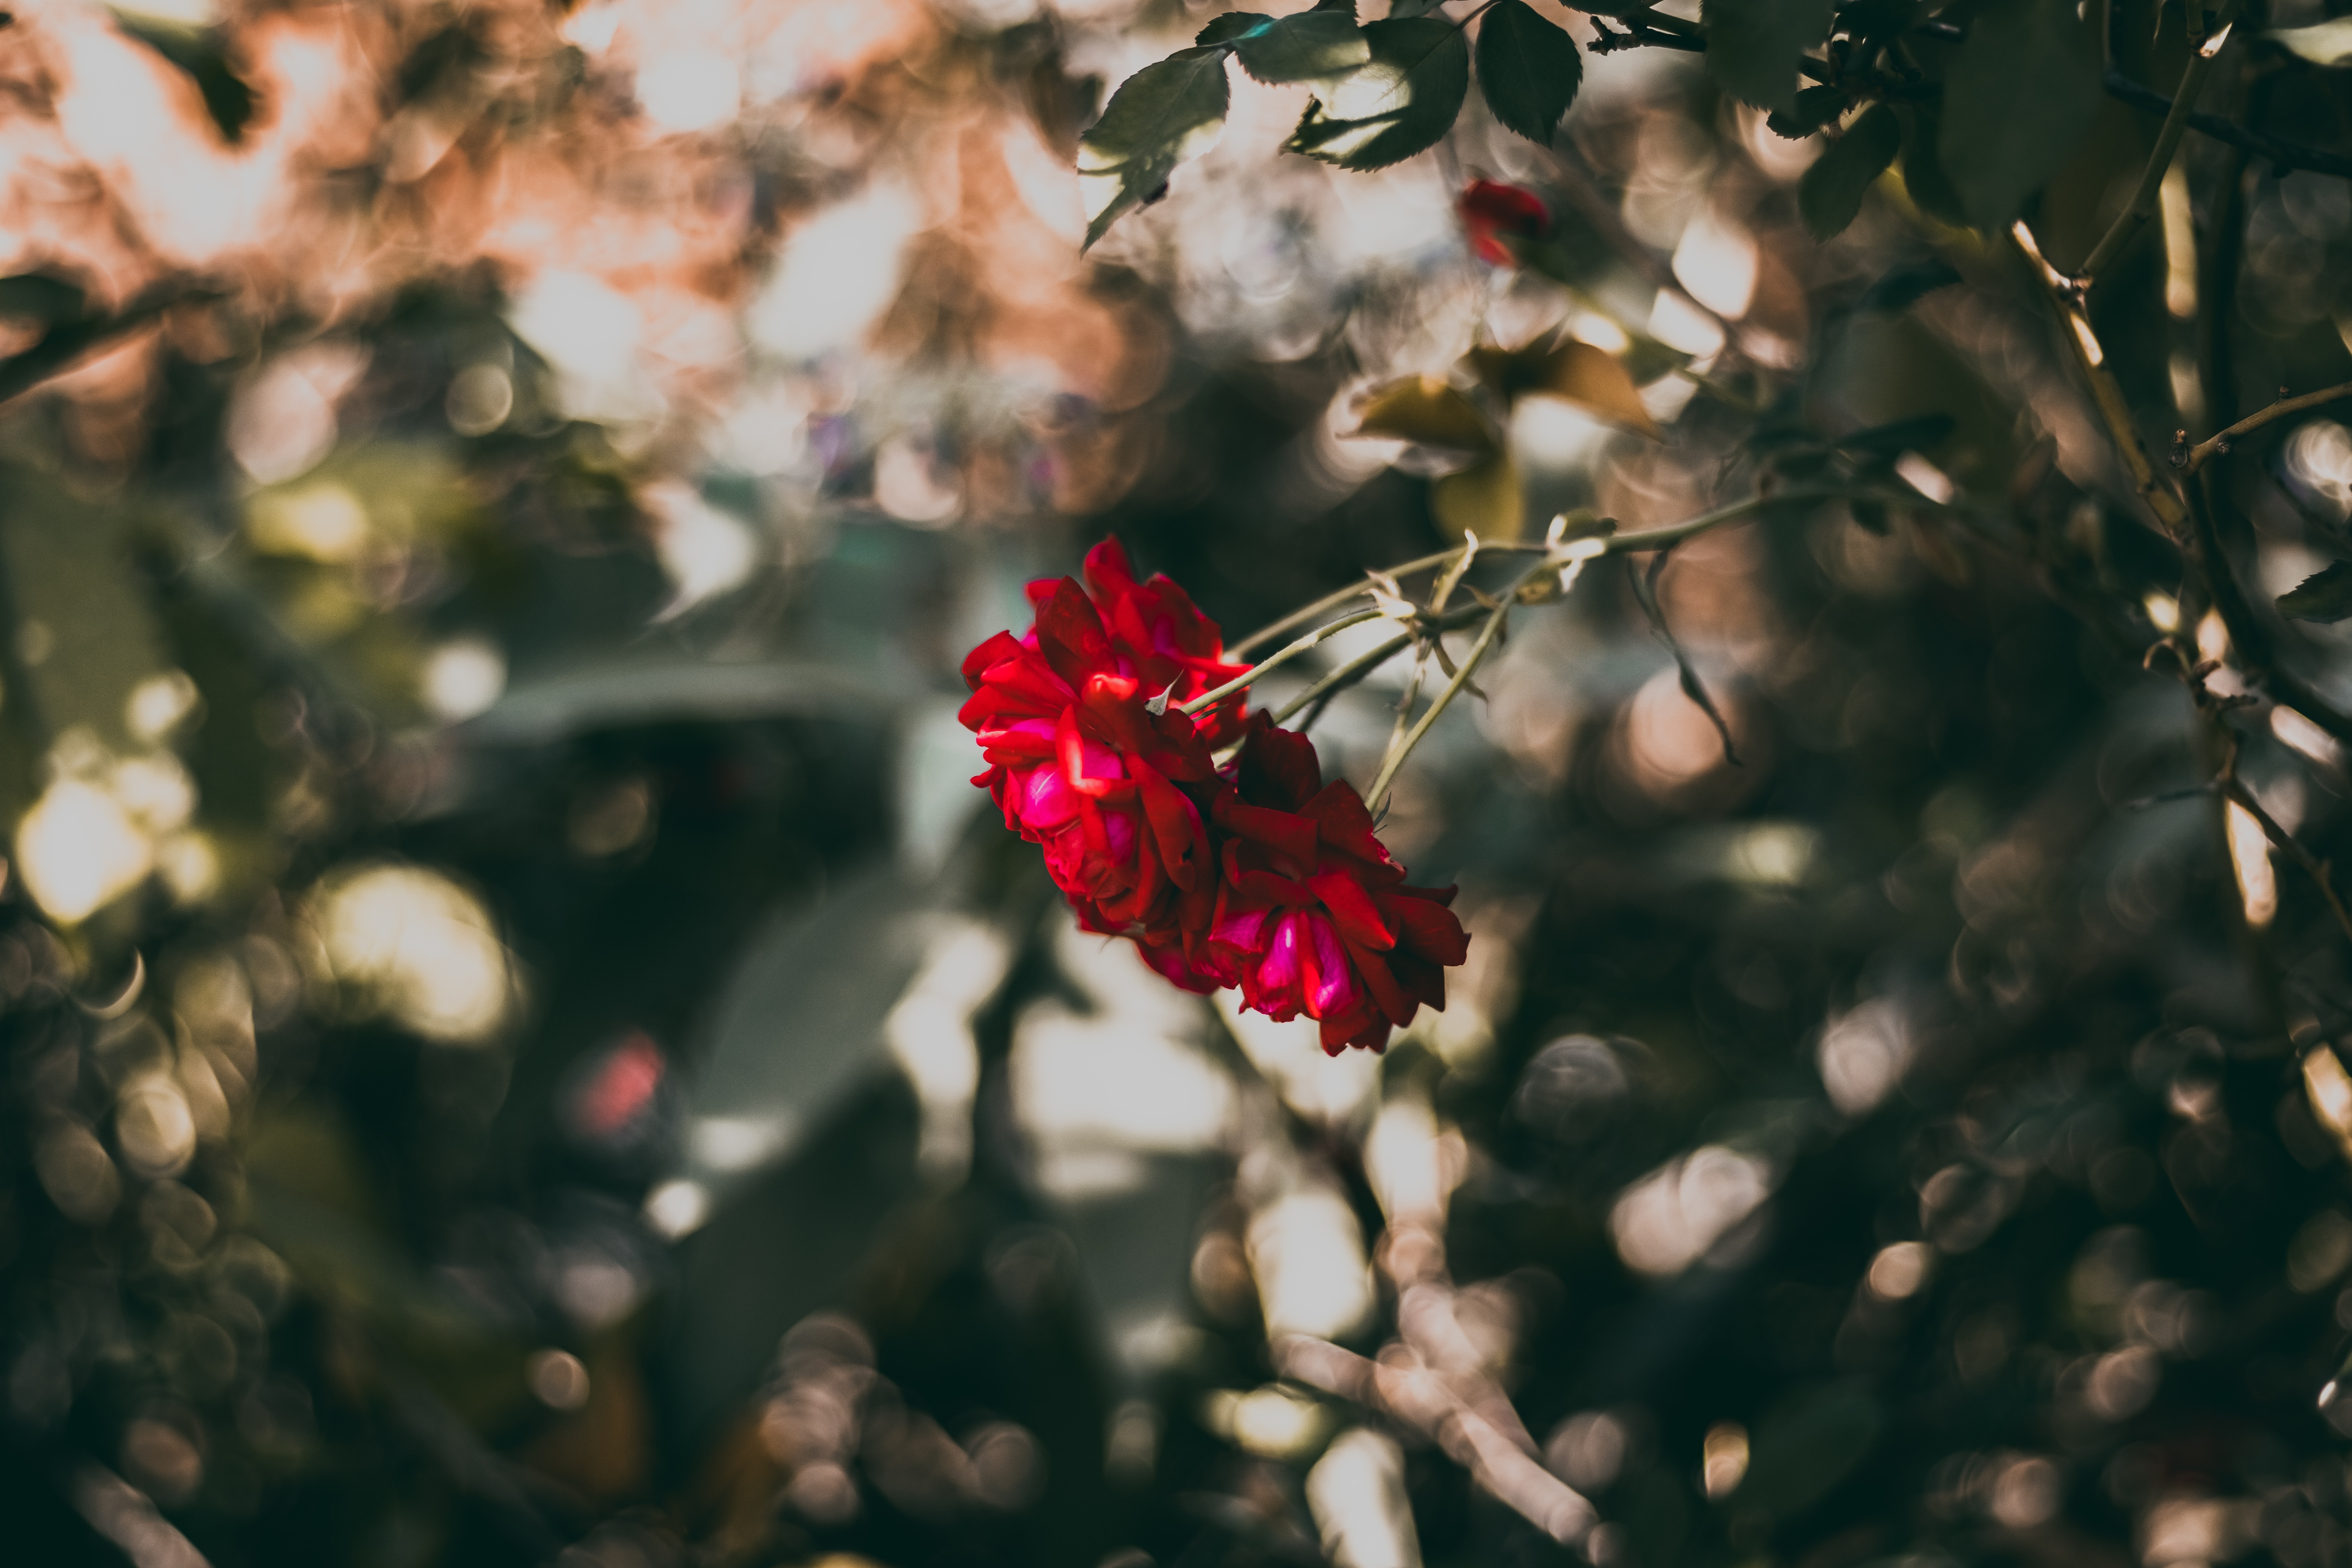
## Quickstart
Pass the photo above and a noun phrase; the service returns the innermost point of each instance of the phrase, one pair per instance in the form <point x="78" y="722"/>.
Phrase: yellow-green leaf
<point x="1595" y="381"/>
<point x="1484" y="498"/>
<point x="1423" y="408"/>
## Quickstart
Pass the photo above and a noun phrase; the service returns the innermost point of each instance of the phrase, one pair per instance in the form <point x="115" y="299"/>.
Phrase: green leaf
<point x="1831" y="190"/>
<point x="2322" y="42"/>
<point x="198" y="53"/>
<point x="1923" y="169"/>
<point x="1313" y="46"/>
<point x="1398" y="104"/>
<point x="2325" y="596"/>
<point x="1485" y="499"/>
<point x="1425" y="409"/>
<point x="1231" y="27"/>
<point x="1405" y="10"/>
<point x="1161" y="116"/>
<point x="1527" y="68"/>
<point x="1753" y="45"/>
<point x="2019" y="96"/>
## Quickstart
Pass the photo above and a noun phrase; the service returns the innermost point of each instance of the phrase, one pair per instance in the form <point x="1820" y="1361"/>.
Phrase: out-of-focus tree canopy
<point x="519" y="1043"/>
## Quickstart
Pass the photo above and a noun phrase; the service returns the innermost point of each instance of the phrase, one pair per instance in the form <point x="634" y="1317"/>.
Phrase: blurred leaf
<point x="1592" y="379"/>
<point x="1924" y="179"/>
<point x="1423" y="408"/>
<point x="1753" y="45"/>
<point x="1484" y="498"/>
<point x="1830" y="193"/>
<point x="1899" y="289"/>
<point x="1914" y="434"/>
<point x="1313" y="46"/>
<point x="1815" y="107"/>
<point x="227" y="99"/>
<point x="2325" y="43"/>
<point x="1398" y="104"/>
<point x="1808" y="1444"/>
<point x="2021" y="93"/>
<point x="1646" y="359"/>
<point x="1527" y="68"/>
<point x="1161" y="116"/>
<point x="2326" y="596"/>
<point x="41" y="296"/>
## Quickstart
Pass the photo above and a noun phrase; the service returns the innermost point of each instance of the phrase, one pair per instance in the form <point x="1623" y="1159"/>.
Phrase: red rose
<point x="1080" y="766"/>
<point x="1259" y="875"/>
<point x="1490" y="210"/>
<point x="1312" y="915"/>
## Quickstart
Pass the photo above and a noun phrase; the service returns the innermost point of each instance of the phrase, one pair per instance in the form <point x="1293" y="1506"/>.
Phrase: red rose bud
<point x="1491" y="210"/>
<point x="1312" y="916"/>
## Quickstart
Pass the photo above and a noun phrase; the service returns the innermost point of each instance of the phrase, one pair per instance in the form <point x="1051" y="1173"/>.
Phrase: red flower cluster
<point x="1257" y="874"/>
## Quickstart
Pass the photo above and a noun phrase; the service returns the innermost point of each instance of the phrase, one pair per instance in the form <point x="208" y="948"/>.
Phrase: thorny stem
<point x="1486" y="636"/>
<point x="2067" y="296"/>
<point x="1634" y="543"/>
<point x="1347" y="675"/>
<point x="2196" y="538"/>
<point x="2214" y="445"/>
<point x="1332" y="601"/>
<point x="1312" y="640"/>
<point x="2159" y="158"/>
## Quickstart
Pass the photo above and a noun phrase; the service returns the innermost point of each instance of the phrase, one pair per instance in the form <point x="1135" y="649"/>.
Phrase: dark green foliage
<point x="1312" y="45"/>
<point x="1753" y="45"/>
<point x="1830" y="193"/>
<point x="1528" y="69"/>
<point x="1161" y="116"/>
<point x="2325" y="596"/>
<point x="2018" y="97"/>
<point x="1399" y="104"/>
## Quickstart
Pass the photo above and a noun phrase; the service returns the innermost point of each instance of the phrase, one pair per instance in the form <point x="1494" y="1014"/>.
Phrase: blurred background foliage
<point x="521" y="1045"/>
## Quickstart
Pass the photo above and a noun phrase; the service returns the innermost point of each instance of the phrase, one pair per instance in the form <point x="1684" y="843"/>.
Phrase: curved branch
<point x="2214" y="445"/>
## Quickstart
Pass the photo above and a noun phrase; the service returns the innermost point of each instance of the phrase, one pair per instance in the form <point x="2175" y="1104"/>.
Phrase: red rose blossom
<point x="1490" y="209"/>
<point x="1082" y="768"/>
<point x="1258" y="875"/>
<point x="1312" y="915"/>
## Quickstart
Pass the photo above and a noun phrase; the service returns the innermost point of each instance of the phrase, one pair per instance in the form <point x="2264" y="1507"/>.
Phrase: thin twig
<point x="1420" y="1398"/>
<point x="1332" y="601"/>
<point x="2159" y="158"/>
<point x="2065" y="297"/>
<point x="2214" y="445"/>
<point x="2284" y="155"/>
<point x="1311" y="641"/>
<point x="2235" y="790"/>
<point x="1347" y="675"/>
<point x="1486" y="635"/>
